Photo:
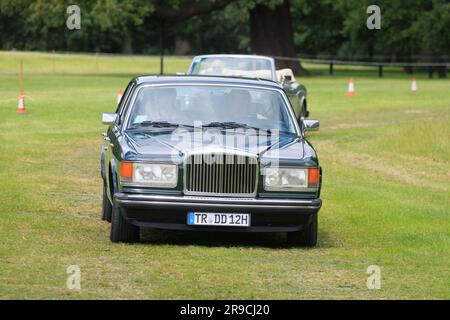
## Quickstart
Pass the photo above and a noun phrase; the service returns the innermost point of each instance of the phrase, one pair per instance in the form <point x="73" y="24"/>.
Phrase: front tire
<point x="121" y="229"/>
<point x="306" y="237"/>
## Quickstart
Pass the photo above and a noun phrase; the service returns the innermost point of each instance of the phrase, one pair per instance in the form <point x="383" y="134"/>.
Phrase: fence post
<point x="442" y="72"/>
<point x="380" y="71"/>
<point x="430" y="72"/>
<point x="331" y="69"/>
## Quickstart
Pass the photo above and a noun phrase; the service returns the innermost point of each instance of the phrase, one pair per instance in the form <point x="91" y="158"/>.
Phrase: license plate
<point x="218" y="219"/>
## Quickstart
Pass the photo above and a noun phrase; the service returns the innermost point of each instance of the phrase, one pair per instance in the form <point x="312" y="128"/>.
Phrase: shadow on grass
<point x="227" y="239"/>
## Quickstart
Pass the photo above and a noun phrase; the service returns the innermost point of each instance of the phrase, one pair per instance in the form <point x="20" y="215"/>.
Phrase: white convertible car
<point x="253" y="66"/>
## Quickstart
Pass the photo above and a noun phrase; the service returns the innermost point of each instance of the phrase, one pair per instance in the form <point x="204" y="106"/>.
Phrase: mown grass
<point x="49" y="63"/>
<point x="385" y="155"/>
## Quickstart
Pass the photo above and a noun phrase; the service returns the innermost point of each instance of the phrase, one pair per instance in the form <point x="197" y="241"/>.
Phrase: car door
<point x="110" y="138"/>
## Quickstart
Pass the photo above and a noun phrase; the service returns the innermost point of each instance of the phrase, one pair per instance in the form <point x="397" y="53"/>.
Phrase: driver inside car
<point x="216" y="67"/>
<point x="158" y="105"/>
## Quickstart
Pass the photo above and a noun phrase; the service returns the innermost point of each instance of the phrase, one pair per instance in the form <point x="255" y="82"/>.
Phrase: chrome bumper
<point x="141" y="201"/>
<point x="170" y="212"/>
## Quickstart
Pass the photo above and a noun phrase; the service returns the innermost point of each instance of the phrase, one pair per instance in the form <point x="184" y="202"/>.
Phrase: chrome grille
<point x="221" y="174"/>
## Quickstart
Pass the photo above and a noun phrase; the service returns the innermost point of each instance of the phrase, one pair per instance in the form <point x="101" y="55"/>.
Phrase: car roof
<point x="233" y="56"/>
<point x="202" y="79"/>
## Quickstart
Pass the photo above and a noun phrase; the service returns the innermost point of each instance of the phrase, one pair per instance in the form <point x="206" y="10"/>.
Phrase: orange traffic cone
<point x="21" y="107"/>
<point x="119" y="95"/>
<point x="414" y="85"/>
<point x="351" y="87"/>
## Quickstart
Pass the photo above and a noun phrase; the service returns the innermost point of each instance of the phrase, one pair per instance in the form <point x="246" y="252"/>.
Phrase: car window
<point x="252" y="67"/>
<point x="123" y="102"/>
<point x="190" y="104"/>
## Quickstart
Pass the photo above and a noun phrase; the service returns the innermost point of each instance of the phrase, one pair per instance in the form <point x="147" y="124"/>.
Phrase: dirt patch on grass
<point x="414" y="111"/>
<point x="358" y="125"/>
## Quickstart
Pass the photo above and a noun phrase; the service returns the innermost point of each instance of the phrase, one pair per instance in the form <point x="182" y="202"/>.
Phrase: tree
<point x="264" y="15"/>
<point x="416" y="30"/>
<point x="224" y="31"/>
<point x="272" y="34"/>
<point x="120" y="19"/>
<point x="172" y="12"/>
<point x="319" y="31"/>
<point x="181" y="10"/>
<point x="336" y="28"/>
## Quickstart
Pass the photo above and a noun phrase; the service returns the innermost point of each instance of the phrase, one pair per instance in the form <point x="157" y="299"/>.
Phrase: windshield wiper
<point x="236" y="125"/>
<point x="160" y="124"/>
<point x="156" y="124"/>
<point x="230" y="125"/>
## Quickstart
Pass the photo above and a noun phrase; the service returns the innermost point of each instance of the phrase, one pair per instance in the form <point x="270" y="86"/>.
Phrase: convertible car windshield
<point x="233" y="66"/>
<point x="211" y="105"/>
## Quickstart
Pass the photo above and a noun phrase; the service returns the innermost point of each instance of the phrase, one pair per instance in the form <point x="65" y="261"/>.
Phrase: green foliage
<point x="41" y="24"/>
<point x="318" y="27"/>
<point x="224" y="31"/>
<point x="250" y="4"/>
<point x="409" y="29"/>
<point x="434" y="26"/>
<point x="321" y="27"/>
<point x="117" y="20"/>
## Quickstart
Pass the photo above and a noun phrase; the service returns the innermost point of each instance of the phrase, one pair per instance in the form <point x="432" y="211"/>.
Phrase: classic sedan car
<point x="209" y="154"/>
<point x="253" y="66"/>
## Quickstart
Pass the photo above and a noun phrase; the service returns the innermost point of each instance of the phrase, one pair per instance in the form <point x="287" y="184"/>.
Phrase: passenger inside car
<point x="238" y="106"/>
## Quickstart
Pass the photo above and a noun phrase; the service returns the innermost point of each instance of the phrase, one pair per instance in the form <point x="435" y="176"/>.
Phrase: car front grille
<point x="221" y="174"/>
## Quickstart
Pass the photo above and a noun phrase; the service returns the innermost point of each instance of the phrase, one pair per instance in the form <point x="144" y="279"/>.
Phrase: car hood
<point x="176" y="144"/>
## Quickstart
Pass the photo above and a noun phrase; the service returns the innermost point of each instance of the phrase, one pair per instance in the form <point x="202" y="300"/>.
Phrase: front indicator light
<point x="313" y="177"/>
<point x="126" y="171"/>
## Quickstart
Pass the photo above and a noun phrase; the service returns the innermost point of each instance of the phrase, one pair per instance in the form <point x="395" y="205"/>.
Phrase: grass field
<point x="386" y="160"/>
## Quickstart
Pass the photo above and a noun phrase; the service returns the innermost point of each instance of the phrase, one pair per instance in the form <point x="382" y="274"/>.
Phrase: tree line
<point x="410" y="30"/>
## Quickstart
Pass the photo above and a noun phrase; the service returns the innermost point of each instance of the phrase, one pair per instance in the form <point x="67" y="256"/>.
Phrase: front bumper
<point x="170" y="212"/>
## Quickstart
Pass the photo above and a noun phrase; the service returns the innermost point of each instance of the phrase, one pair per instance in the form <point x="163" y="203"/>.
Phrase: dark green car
<point x="206" y="153"/>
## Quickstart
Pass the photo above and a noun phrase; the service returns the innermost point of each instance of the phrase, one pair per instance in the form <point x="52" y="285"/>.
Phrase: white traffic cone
<point x="414" y="85"/>
<point x="351" y="87"/>
<point x="21" y="107"/>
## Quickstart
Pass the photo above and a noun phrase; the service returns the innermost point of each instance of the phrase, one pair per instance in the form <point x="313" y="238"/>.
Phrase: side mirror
<point x="311" y="124"/>
<point x="109" y="118"/>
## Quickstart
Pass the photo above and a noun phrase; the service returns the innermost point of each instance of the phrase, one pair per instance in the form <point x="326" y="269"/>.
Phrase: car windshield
<point x="210" y="105"/>
<point x="252" y="67"/>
